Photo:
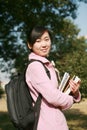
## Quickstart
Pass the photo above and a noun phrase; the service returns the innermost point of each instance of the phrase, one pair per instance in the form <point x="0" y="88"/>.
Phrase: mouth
<point x="44" y="50"/>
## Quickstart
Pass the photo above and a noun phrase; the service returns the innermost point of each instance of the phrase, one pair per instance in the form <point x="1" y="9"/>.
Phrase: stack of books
<point x="64" y="85"/>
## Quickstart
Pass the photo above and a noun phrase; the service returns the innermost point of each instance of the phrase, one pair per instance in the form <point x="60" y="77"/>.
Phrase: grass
<point x="5" y="123"/>
<point x="76" y="118"/>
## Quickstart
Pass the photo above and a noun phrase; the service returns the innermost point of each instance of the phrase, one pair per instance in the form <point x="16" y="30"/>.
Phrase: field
<point x="76" y="116"/>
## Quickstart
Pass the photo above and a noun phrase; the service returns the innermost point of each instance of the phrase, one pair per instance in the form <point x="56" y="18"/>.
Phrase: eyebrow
<point x="44" y="37"/>
<point x="47" y="36"/>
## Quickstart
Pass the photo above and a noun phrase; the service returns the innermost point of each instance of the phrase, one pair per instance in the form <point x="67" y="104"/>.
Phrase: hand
<point x="74" y="86"/>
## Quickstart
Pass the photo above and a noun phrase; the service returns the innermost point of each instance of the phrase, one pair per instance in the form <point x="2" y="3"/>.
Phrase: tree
<point x="18" y="16"/>
<point x="74" y="62"/>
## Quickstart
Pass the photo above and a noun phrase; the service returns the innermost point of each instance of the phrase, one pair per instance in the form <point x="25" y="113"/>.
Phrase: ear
<point x="29" y="46"/>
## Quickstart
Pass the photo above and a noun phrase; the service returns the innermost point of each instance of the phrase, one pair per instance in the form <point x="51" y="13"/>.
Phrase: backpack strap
<point x="47" y="71"/>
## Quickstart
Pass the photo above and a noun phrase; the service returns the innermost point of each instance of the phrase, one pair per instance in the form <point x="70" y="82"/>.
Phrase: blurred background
<point x="67" y="21"/>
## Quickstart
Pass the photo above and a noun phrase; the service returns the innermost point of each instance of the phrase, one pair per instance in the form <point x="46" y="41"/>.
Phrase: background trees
<point x="17" y="17"/>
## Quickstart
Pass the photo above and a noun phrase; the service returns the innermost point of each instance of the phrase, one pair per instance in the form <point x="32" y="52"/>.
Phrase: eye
<point x="38" y="40"/>
<point x="46" y="39"/>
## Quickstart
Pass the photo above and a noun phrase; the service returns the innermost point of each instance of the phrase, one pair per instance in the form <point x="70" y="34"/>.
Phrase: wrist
<point x="76" y="94"/>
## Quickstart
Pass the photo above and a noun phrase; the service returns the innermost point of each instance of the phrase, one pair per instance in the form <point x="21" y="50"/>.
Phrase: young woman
<point x="53" y="100"/>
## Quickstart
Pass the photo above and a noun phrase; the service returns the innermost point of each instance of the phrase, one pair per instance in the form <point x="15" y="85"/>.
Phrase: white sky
<point x="4" y="77"/>
<point x="81" y="20"/>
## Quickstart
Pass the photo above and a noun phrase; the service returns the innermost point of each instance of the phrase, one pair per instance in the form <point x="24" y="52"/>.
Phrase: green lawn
<point x="76" y="116"/>
<point x="76" y="120"/>
<point x="5" y="123"/>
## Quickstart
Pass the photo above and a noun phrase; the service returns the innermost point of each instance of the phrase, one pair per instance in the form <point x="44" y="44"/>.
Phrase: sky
<point x="80" y="21"/>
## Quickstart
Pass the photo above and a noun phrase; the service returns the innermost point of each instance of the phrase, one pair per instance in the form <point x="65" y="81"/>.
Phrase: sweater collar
<point x="34" y="56"/>
<point x="37" y="57"/>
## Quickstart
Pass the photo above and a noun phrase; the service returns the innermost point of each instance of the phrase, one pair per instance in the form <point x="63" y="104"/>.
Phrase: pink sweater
<point x="53" y="101"/>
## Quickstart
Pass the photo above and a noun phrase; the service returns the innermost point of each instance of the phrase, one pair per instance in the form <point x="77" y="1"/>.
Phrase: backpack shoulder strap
<point x="47" y="71"/>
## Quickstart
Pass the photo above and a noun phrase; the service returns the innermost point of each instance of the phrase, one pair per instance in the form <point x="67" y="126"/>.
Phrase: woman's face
<point x="42" y="45"/>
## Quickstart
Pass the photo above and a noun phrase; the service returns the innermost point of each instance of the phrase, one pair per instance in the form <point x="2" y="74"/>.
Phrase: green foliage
<point x="74" y="62"/>
<point x="18" y="16"/>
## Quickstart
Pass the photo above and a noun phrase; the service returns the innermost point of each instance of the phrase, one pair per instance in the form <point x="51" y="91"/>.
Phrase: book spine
<point x="64" y="81"/>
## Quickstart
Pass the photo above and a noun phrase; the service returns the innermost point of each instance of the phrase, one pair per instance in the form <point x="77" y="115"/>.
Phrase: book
<point x="64" y="84"/>
<point x="64" y="81"/>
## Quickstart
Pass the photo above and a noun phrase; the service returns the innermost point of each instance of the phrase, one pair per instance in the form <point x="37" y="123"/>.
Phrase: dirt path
<point x="3" y="105"/>
<point x="82" y="106"/>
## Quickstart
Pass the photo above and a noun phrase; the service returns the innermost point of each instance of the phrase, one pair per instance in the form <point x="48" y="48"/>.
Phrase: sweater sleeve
<point x="42" y="84"/>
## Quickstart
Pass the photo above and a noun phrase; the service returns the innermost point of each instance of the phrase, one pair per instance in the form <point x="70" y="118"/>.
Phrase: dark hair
<point x="36" y="33"/>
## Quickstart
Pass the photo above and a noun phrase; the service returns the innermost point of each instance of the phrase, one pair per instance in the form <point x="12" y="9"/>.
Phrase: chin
<point x="45" y="54"/>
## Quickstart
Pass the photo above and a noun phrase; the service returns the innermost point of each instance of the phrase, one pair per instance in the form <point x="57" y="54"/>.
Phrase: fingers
<point x="74" y="86"/>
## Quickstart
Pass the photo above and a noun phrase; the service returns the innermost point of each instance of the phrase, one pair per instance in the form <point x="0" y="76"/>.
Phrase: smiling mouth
<point x="44" y="50"/>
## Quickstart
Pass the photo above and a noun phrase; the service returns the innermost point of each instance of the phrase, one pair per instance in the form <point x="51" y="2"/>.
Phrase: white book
<point x="64" y="81"/>
<point x="67" y="91"/>
<point x="64" y="86"/>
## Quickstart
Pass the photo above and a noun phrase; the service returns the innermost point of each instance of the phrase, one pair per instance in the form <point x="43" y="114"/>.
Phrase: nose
<point x="44" y="43"/>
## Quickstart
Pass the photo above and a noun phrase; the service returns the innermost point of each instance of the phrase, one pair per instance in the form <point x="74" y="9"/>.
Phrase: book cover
<point x="64" y="85"/>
